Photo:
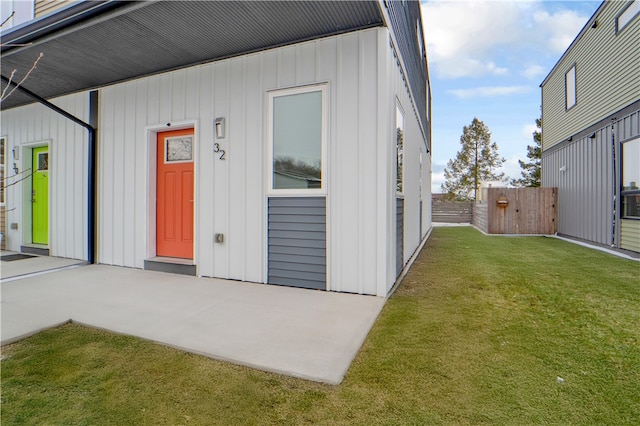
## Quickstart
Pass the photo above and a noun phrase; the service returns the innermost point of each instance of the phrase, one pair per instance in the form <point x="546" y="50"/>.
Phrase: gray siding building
<point x="591" y="130"/>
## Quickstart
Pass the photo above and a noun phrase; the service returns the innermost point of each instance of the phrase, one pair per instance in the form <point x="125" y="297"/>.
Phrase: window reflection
<point x="297" y="141"/>
<point x="631" y="179"/>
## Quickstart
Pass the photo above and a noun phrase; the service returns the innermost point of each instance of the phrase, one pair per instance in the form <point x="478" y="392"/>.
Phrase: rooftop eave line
<point x="586" y="27"/>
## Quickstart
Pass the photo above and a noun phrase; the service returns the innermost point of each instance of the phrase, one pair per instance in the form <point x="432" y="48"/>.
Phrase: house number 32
<point x="217" y="150"/>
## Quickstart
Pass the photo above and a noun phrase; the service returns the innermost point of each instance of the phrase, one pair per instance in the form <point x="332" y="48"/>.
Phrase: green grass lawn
<point x="483" y="330"/>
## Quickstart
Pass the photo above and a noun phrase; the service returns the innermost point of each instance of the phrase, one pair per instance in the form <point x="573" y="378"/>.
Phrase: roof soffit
<point x="145" y="38"/>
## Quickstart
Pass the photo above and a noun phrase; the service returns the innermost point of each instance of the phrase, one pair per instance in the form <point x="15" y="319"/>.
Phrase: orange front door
<point x="174" y="210"/>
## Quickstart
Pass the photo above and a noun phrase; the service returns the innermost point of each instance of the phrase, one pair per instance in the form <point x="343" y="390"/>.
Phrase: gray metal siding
<point x="297" y="242"/>
<point x="403" y="16"/>
<point x="399" y="235"/>
<point x="628" y="127"/>
<point x="586" y="186"/>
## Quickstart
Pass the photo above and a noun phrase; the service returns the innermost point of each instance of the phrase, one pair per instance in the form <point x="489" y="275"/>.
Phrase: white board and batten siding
<point x="230" y="194"/>
<point x="364" y="84"/>
<point x="417" y="180"/>
<point x="34" y="125"/>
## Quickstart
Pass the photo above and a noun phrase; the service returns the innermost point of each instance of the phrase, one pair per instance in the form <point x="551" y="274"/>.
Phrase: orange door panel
<point x="174" y="209"/>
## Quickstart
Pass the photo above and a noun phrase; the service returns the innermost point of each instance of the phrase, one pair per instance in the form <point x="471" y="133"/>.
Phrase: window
<point x="428" y="107"/>
<point x="297" y="140"/>
<point x="631" y="179"/>
<point x="627" y="15"/>
<point x="570" y="87"/>
<point x="178" y="149"/>
<point x="419" y="36"/>
<point x="399" y="150"/>
<point x="3" y="160"/>
<point x="43" y="161"/>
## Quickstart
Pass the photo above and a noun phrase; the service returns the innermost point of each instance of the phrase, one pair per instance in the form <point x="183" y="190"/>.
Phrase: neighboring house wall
<point x="582" y="145"/>
<point x="628" y="135"/>
<point x="44" y="7"/>
<point x="630" y="235"/>
<point x="607" y="69"/>
<point x="587" y="179"/>
<point x="583" y="173"/>
<point x="34" y="125"/>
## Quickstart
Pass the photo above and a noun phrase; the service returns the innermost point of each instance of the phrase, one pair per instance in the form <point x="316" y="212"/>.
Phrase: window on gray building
<point x="399" y="150"/>
<point x="570" y="87"/>
<point x="631" y="11"/>
<point x="631" y="179"/>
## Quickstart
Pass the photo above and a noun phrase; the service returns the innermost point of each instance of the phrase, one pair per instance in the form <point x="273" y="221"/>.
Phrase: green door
<point x="40" y="195"/>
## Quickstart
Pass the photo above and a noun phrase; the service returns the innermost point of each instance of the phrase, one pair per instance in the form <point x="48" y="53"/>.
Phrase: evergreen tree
<point x="476" y="161"/>
<point x="531" y="173"/>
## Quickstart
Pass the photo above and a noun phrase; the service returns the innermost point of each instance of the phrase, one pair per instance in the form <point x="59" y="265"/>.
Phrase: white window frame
<point x="3" y="201"/>
<point x="570" y="88"/>
<point x="428" y="106"/>
<point x="271" y="95"/>
<point x="624" y="190"/>
<point x="166" y="149"/>
<point x="631" y="10"/>
<point x="400" y="110"/>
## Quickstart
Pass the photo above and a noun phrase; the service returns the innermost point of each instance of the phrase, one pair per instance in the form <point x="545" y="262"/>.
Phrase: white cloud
<point x="511" y="167"/>
<point x="533" y="72"/>
<point x="488" y="91"/>
<point x="437" y="179"/>
<point x="458" y="35"/>
<point x="559" y="28"/>
<point x="466" y="39"/>
<point x="528" y="129"/>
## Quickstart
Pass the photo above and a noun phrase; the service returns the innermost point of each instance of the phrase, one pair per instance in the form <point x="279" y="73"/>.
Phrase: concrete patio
<point x="303" y="333"/>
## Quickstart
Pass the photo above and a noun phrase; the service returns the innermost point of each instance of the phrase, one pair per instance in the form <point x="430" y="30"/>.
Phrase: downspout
<point x="91" y="152"/>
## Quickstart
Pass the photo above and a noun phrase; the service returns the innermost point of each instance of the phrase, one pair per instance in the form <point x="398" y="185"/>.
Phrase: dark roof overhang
<point x="97" y="43"/>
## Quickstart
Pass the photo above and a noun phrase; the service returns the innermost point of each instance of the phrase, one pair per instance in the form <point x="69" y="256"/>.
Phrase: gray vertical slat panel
<point x="586" y="189"/>
<point x="403" y="16"/>
<point x="598" y="171"/>
<point x="399" y="235"/>
<point x="296" y="242"/>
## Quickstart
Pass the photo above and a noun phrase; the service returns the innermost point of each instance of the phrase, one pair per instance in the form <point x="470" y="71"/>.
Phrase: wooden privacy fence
<point x="517" y="211"/>
<point x="451" y="212"/>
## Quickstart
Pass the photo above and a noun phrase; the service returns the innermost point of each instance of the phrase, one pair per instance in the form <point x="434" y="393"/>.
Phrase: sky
<point x="487" y="59"/>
